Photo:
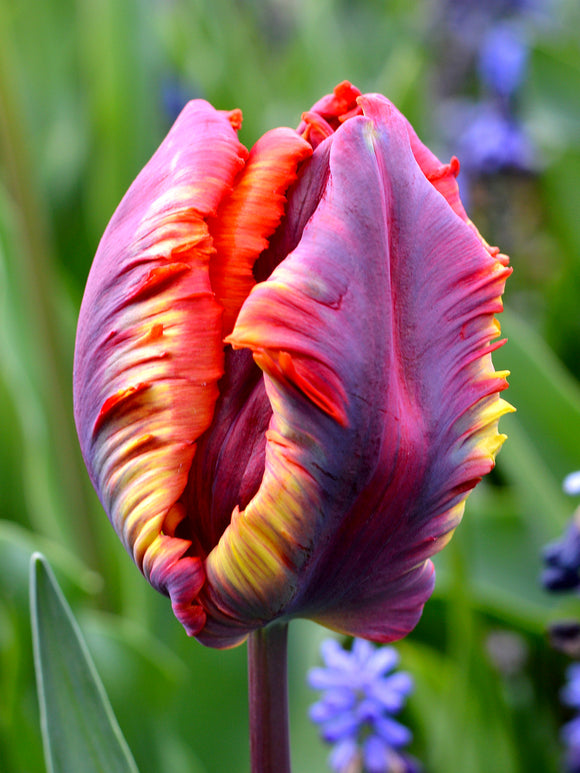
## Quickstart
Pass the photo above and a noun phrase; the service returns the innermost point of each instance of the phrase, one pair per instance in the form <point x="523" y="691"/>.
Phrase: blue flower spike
<point x="360" y="693"/>
<point x="571" y="731"/>
<point x="562" y="557"/>
<point x="503" y="59"/>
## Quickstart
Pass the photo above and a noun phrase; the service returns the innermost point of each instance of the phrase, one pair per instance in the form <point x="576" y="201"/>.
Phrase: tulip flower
<point x="283" y="380"/>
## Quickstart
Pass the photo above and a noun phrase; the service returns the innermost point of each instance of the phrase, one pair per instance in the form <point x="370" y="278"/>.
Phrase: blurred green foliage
<point x="82" y="88"/>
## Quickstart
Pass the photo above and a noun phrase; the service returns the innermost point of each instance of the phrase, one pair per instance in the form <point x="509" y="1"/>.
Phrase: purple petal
<point x="335" y="656"/>
<point x="375" y="755"/>
<point x="391" y="692"/>
<point x="419" y="395"/>
<point x="343" y="755"/>
<point x="368" y="711"/>
<point x="338" y="727"/>
<point x="383" y="660"/>
<point x="328" y="678"/>
<point x="333" y="702"/>
<point x="570" y="732"/>
<point x="149" y="352"/>
<point x="361" y="652"/>
<point x="393" y="732"/>
<point x="374" y="336"/>
<point x="503" y="58"/>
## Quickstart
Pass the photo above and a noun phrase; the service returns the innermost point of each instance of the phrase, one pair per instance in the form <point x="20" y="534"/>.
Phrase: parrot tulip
<point x="283" y="382"/>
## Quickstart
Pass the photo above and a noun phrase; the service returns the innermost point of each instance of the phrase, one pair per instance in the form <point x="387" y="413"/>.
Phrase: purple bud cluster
<point x="562" y="559"/>
<point x="571" y="731"/>
<point x="360" y="695"/>
<point x="487" y="132"/>
<point x="562" y="573"/>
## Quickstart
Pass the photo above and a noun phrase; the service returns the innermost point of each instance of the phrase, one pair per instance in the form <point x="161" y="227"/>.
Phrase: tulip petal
<point x="326" y="115"/>
<point x="248" y="217"/>
<point x="149" y="351"/>
<point x="374" y="336"/>
<point x="231" y="453"/>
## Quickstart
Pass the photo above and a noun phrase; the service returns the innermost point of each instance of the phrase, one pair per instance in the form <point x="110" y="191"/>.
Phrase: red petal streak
<point x="115" y="402"/>
<point x="149" y="351"/>
<point x="156" y="281"/>
<point x="250" y="215"/>
<point x="321" y="388"/>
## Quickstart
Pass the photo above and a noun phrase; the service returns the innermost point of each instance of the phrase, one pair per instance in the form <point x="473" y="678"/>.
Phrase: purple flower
<point x="475" y="14"/>
<point x="354" y="712"/>
<point x="570" y="733"/>
<point x="503" y="59"/>
<point x="468" y="19"/>
<point x="492" y="141"/>
<point x="562" y="557"/>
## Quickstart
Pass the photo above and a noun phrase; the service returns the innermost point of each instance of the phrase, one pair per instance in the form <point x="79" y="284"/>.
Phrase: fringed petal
<point x="149" y="351"/>
<point x="249" y="216"/>
<point x="374" y="336"/>
<point x="326" y="115"/>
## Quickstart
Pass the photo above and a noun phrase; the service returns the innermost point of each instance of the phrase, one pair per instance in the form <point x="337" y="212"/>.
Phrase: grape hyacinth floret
<point x="354" y="712"/>
<point x="571" y="731"/>
<point x="491" y="41"/>
<point x="503" y="59"/>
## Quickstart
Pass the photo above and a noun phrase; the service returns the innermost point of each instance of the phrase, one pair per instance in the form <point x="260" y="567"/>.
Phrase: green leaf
<point x="79" y="729"/>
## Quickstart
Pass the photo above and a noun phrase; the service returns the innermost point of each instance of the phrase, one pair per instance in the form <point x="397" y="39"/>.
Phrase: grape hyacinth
<point x="493" y="141"/>
<point x="354" y="712"/>
<point x="571" y="731"/>
<point x="562" y="557"/>
<point x="562" y="573"/>
<point x="490" y="41"/>
<point x="503" y="59"/>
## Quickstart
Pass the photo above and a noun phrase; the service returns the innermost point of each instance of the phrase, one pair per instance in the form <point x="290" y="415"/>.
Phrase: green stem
<point x="268" y="694"/>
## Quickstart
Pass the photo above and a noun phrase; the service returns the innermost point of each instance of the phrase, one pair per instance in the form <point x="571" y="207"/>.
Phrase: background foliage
<point x="87" y="91"/>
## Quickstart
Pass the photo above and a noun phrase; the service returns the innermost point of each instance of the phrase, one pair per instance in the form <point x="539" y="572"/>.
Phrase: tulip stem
<point x="268" y="695"/>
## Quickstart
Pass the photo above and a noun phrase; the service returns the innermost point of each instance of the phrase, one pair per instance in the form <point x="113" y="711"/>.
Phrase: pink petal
<point x="375" y="337"/>
<point x="149" y="350"/>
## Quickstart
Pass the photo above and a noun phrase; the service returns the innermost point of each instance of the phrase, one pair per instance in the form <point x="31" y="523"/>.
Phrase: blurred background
<point x="87" y="91"/>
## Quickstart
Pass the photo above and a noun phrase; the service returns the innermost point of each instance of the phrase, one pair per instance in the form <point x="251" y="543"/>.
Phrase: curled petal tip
<point x="235" y="117"/>
<point x="180" y="577"/>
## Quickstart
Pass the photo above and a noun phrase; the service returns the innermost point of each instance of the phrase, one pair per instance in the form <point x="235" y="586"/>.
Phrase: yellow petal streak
<point x="149" y="345"/>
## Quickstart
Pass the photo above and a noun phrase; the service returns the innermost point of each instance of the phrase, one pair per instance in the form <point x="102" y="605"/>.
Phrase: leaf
<point x="79" y="729"/>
